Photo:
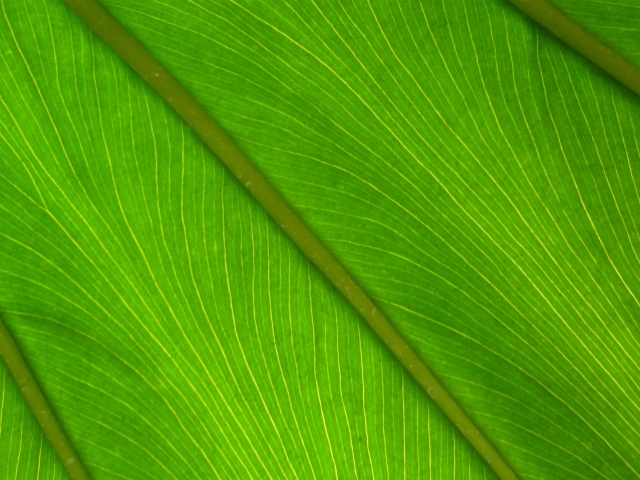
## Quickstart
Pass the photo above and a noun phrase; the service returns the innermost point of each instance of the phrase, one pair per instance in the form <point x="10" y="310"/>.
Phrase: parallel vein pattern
<point x="173" y="327"/>
<point x="480" y="180"/>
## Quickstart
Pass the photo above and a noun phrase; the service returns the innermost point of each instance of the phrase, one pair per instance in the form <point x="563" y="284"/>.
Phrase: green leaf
<point x="474" y="174"/>
<point x="615" y="22"/>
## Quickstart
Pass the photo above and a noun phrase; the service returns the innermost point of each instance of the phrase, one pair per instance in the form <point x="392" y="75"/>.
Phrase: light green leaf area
<point x="614" y="22"/>
<point x="475" y="175"/>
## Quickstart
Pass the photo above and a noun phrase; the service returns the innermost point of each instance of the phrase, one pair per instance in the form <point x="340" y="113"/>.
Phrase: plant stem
<point x="21" y="373"/>
<point x="573" y="35"/>
<point x="140" y="59"/>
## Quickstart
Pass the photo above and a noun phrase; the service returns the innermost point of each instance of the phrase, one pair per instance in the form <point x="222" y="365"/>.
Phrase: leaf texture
<point x="614" y="22"/>
<point x="474" y="174"/>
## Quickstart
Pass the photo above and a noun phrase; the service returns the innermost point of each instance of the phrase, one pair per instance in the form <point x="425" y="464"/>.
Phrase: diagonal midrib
<point x="138" y="58"/>
<point x="30" y="390"/>
<point x="560" y="25"/>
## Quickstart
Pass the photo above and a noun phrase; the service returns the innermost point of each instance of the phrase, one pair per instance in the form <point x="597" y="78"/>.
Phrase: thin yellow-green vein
<point x="576" y="37"/>
<point x="140" y="60"/>
<point x="38" y="404"/>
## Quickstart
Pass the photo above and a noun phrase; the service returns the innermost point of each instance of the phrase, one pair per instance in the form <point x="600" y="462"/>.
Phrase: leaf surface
<point x="476" y="176"/>
<point x="613" y="22"/>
